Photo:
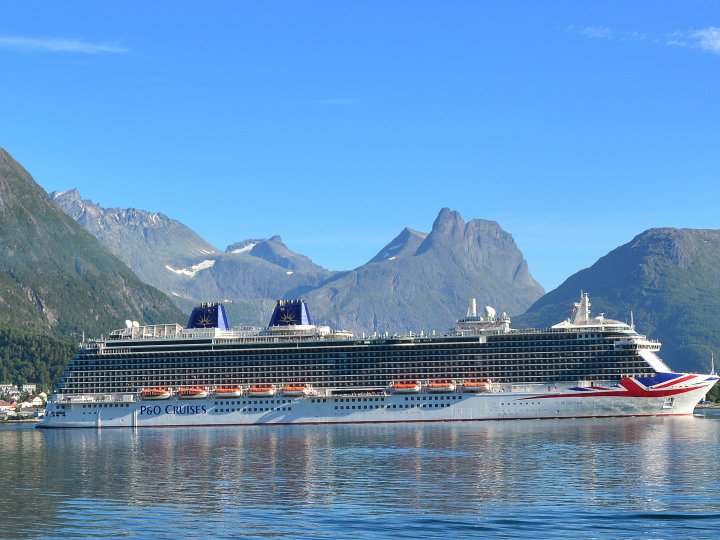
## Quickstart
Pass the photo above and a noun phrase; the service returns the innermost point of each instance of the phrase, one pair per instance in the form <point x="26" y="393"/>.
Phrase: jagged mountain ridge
<point x="139" y="238"/>
<point x="167" y="254"/>
<point x="418" y="280"/>
<point x="57" y="278"/>
<point x="669" y="279"/>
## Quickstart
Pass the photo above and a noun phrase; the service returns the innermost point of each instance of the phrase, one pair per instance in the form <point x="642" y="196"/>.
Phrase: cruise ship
<point x="297" y="372"/>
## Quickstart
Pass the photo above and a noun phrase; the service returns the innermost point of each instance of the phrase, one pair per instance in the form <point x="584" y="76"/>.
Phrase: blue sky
<point x="575" y="125"/>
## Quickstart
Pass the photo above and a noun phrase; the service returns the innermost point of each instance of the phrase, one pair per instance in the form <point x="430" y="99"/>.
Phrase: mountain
<point x="668" y="278"/>
<point x="275" y="252"/>
<point x="424" y="282"/>
<point x="417" y="281"/>
<point x="163" y="252"/>
<point x="54" y="276"/>
<point x="253" y="274"/>
<point x="153" y="245"/>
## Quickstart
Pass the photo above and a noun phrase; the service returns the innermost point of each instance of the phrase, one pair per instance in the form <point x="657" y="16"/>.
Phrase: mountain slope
<point x="150" y="243"/>
<point x="404" y="244"/>
<point x="668" y="278"/>
<point x="54" y="276"/>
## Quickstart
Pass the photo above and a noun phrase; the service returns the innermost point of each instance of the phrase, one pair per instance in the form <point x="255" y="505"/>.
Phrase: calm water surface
<point x="600" y="478"/>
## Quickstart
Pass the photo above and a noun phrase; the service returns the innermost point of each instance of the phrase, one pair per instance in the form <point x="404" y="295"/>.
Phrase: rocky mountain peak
<point x="403" y="245"/>
<point x="448" y="223"/>
<point x="274" y="251"/>
<point x="72" y="194"/>
<point x="244" y="246"/>
<point x="478" y="237"/>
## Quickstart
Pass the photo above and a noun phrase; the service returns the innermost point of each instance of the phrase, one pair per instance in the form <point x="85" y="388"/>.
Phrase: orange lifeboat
<point x="476" y="386"/>
<point x="155" y="393"/>
<point x="405" y="387"/>
<point x="261" y="390"/>
<point x="296" y="390"/>
<point x="228" y="392"/>
<point x="192" y="392"/>
<point x="441" y="387"/>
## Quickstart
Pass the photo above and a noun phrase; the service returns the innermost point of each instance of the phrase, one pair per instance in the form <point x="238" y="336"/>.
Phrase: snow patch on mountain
<point x="245" y="248"/>
<point x="193" y="270"/>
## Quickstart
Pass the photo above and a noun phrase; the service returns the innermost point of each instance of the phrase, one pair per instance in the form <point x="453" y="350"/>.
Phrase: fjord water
<point x="594" y="478"/>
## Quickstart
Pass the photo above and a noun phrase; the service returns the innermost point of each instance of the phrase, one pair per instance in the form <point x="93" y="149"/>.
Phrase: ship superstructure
<point x="294" y="371"/>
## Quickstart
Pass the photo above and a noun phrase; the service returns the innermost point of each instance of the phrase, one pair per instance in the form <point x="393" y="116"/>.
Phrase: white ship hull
<point x="678" y="396"/>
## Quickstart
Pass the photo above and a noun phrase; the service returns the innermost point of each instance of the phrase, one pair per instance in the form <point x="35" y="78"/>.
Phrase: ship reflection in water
<point x="557" y="478"/>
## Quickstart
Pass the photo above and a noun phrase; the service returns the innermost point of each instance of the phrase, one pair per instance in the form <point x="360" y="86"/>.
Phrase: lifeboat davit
<point x="192" y="392"/>
<point x="228" y="392"/>
<point x="296" y="390"/>
<point x="264" y="390"/>
<point x="406" y="387"/>
<point x="441" y="387"/>
<point x="476" y="386"/>
<point x="155" y="393"/>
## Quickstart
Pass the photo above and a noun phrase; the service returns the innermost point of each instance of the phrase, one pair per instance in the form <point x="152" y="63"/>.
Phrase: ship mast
<point x="712" y="363"/>
<point x="582" y="309"/>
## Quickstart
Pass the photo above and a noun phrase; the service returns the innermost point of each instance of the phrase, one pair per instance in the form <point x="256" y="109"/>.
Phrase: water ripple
<point x="618" y="478"/>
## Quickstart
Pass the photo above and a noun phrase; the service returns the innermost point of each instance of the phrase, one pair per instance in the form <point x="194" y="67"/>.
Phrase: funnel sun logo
<point x="204" y="320"/>
<point x="287" y="318"/>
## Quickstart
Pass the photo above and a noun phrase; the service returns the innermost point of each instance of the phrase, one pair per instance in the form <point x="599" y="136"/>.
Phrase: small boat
<point x="155" y="393"/>
<point x="228" y="392"/>
<point x="192" y="392"/>
<point x="261" y="390"/>
<point x="440" y="387"/>
<point x="475" y="386"/>
<point x="296" y="390"/>
<point x="405" y="387"/>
